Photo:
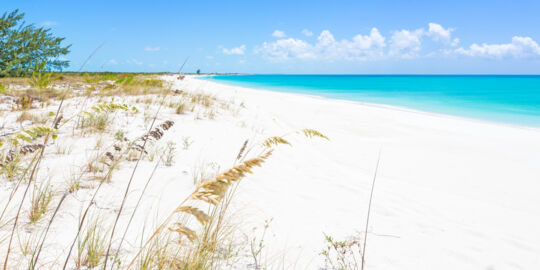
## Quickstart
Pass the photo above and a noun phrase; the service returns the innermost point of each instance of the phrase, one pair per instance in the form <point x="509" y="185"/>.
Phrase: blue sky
<point x="407" y="37"/>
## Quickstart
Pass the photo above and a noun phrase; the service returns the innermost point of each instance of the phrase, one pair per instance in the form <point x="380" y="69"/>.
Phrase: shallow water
<point x="511" y="99"/>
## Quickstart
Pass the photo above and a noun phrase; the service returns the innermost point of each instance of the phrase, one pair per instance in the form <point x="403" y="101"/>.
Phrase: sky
<point x="295" y="37"/>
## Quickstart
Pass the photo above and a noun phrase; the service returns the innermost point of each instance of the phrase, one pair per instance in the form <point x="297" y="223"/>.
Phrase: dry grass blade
<point x="12" y="154"/>
<point x="239" y="156"/>
<point x="310" y="133"/>
<point x="128" y="187"/>
<point x="201" y="216"/>
<point x="35" y="260"/>
<point x="210" y="192"/>
<point x="273" y="141"/>
<point x="369" y="210"/>
<point x="183" y="230"/>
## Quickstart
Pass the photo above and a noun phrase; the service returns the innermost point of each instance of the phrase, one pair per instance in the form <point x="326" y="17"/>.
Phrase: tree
<point x="198" y="71"/>
<point x="24" y="48"/>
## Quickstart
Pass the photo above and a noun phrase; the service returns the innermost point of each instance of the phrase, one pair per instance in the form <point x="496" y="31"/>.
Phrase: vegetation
<point x="94" y="121"/>
<point x="25" y="48"/>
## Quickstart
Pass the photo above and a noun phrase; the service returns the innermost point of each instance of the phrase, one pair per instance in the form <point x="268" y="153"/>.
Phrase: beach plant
<point x="29" y="134"/>
<point x="27" y="243"/>
<point x="40" y="200"/>
<point x="170" y="152"/>
<point x="32" y="168"/>
<point x="342" y="255"/>
<point x="98" y="118"/>
<point x="24" y="102"/>
<point x="11" y="159"/>
<point x="12" y="167"/>
<point x="216" y="194"/>
<point x="257" y="245"/>
<point x="186" y="142"/>
<point x="40" y="78"/>
<point x="25" y="116"/>
<point x="74" y="183"/>
<point x="120" y="135"/>
<point x="210" y="192"/>
<point x="91" y="246"/>
<point x="351" y="252"/>
<point x="181" y="108"/>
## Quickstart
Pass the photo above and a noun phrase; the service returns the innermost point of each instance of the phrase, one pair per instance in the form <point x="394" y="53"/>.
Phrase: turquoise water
<point x="511" y="99"/>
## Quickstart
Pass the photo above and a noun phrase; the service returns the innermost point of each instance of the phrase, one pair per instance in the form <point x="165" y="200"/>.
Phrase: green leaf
<point x="27" y="50"/>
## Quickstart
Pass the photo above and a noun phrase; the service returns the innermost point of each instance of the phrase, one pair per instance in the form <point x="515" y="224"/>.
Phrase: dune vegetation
<point x="69" y="140"/>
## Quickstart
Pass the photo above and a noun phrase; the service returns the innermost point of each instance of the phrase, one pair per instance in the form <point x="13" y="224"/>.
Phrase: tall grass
<point x="41" y="198"/>
<point x="196" y="235"/>
<point x="216" y="195"/>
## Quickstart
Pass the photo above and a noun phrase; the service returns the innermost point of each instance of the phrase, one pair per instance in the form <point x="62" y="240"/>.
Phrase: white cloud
<point x="438" y="33"/>
<point x="279" y="34"/>
<point x="408" y="43"/>
<point x="49" y="23"/>
<point x="209" y="57"/>
<point x="238" y="50"/>
<point x="405" y="43"/>
<point x="112" y="62"/>
<point x="307" y="33"/>
<point x="520" y="47"/>
<point x="360" y="47"/>
<point x="152" y="49"/>
<point x="284" y="49"/>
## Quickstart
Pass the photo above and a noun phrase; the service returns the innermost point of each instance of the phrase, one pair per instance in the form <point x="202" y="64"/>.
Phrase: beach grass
<point x="73" y="118"/>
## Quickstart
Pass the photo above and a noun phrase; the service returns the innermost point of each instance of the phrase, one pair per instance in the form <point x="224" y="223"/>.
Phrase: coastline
<point x="451" y="193"/>
<point x="377" y="105"/>
<point x="478" y="176"/>
<point x="477" y="116"/>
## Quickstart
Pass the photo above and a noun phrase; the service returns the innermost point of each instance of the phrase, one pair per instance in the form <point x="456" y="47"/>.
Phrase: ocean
<point x="513" y="99"/>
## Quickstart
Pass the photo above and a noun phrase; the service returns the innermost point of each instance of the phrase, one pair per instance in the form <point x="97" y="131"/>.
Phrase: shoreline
<point x="451" y="193"/>
<point x="382" y="106"/>
<point x="443" y="180"/>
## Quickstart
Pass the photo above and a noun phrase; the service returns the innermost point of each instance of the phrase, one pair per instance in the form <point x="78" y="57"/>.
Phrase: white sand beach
<point x="451" y="193"/>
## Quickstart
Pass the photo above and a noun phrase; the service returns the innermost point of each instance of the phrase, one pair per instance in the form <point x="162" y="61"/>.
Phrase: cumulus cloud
<point x="438" y="33"/>
<point x="285" y="49"/>
<point x="237" y="50"/>
<point x="152" y="49"/>
<point x="307" y="33"/>
<point x="279" y="34"/>
<point x="408" y="43"/>
<point x="360" y="47"/>
<point x="405" y="43"/>
<point x="520" y="47"/>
